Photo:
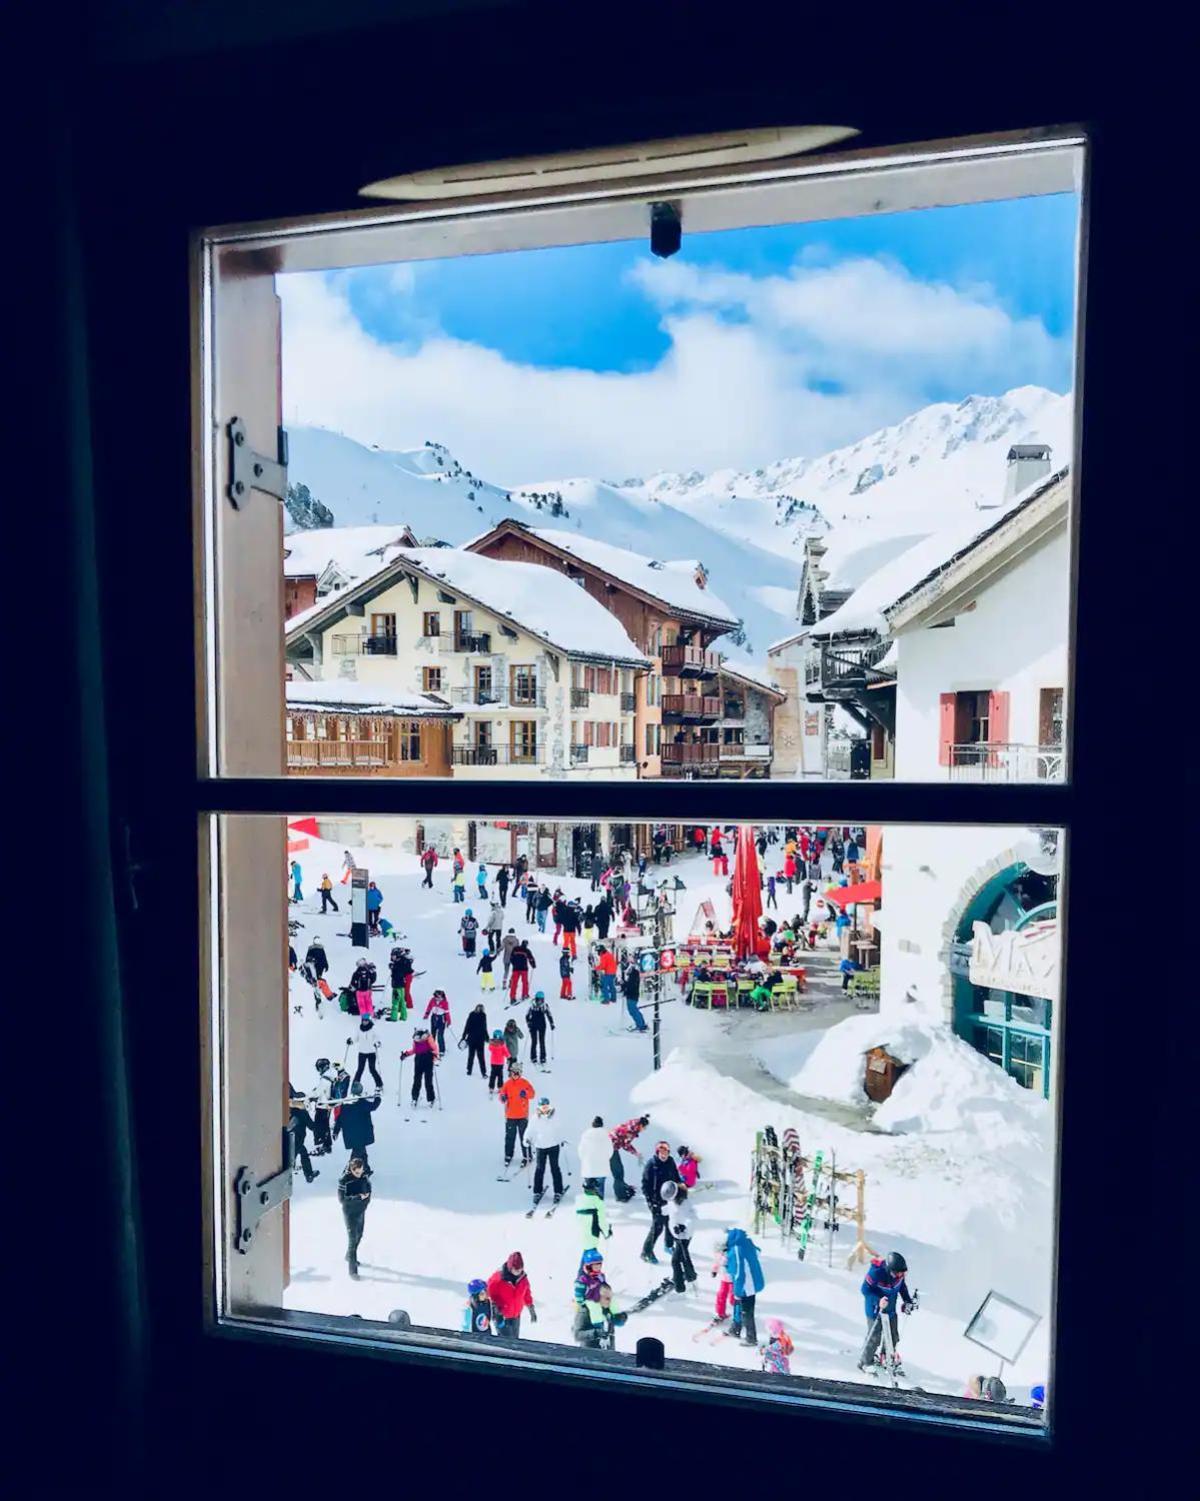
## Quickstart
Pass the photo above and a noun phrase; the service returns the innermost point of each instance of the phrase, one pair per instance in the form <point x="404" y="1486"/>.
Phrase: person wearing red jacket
<point x="521" y="961"/>
<point x="517" y="1093"/>
<point x="510" y="1295"/>
<point x="720" y="859"/>
<point x="429" y="859"/>
<point x="623" y="1138"/>
<point x="437" y="1014"/>
<point x="606" y="968"/>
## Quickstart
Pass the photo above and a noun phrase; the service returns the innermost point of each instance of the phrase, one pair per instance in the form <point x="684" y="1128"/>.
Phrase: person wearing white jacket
<point x="546" y="1138"/>
<point x="595" y="1150"/>
<point x="681" y="1226"/>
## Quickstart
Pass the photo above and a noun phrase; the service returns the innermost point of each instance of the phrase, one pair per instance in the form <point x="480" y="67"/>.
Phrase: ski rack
<point x="253" y="1200"/>
<point x="774" y="1198"/>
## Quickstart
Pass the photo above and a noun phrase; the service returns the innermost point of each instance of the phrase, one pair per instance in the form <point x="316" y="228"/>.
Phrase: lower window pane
<point x="556" y="1088"/>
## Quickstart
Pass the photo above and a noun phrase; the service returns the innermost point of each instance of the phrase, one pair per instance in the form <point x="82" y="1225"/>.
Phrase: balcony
<point x="628" y="755"/>
<point x="755" y="751"/>
<point x="687" y="754"/>
<point x="579" y="754"/>
<point x="498" y="698"/>
<point x="695" y="706"/>
<point x="476" y="641"/>
<point x="689" y="662"/>
<point x="1000" y="761"/>
<point x="580" y="698"/>
<point x="493" y="755"/>
<point x="848" y="670"/>
<point x="337" y="755"/>
<point x="628" y="703"/>
<point x="379" y="646"/>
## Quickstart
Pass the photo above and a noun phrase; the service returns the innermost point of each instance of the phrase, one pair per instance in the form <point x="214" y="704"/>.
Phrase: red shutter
<point x="587" y="732"/>
<point x="946" y="706"/>
<point x="998" y="718"/>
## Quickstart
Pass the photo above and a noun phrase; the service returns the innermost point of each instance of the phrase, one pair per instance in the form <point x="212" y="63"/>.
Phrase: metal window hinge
<point x="254" y="471"/>
<point x="253" y="1199"/>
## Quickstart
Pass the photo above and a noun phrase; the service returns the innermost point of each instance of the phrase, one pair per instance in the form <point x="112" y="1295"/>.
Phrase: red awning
<point x="851" y="896"/>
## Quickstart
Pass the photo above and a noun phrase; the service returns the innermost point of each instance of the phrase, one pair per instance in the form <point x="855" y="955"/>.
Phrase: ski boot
<point x="650" y="1257"/>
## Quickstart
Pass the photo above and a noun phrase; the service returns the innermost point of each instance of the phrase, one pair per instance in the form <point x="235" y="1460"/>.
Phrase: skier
<point x="595" y="1151"/>
<point x="631" y="988"/>
<point x="354" y="1194"/>
<point x="429" y="859"/>
<point x="724" y="1298"/>
<point x="531" y="898"/>
<point x="316" y="958"/>
<point x="401" y="968"/>
<point x="622" y="1138"/>
<point x="302" y="1123"/>
<point x="572" y="920"/>
<point x="361" y="981"/>
<point x="326" y="890"/>
<point x="297" y="894"/>
<point x="659" y="1170"/>
<point x="589" y="925"/>
<point x="424" y="1053"/>
<point x="591" y="1217"/>
<point x="481" y="882"/>
<point x="776" y="1353"/>
<point x="566" y="991"/>
<point x="502" y="885"/>
<point x="458" y="886"/>
<point x="596" y="1321"/>
<point x="468" y="928"/>
<point x="354" y="1124"/>
<point x="495" y="926"/>
<point x="437" y="1014"/>
<point x="487" y="962"/>
<point x="474" y="1036"/>
<point x="497" y="1056"/>
<point x="367" y="1041"/>
<point x="590" y="1277"/>
<point x="374" y="906"/>
<point x="535" y="1019"/>
<point x="516" y="1093"/>
<point x="322" y="1099"/>
<point x="681" y="1223"/>
<point x="477" y="1311"/>
<point x="507" y="944"/>
<point x="745" y="1272"/>
<point x="513" y="1037"/>
<point x="510" y="1294"/>
<point x="542" y="904"/>
<point x="547" y="1140"/>
<point x="883" y="1285"/>
<point x="521" y="961"/>
<point x="606" y="968"/>
<point x="348" y="866"/>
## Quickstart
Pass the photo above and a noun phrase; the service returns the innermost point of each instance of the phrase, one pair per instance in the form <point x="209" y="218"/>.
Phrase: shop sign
<point x="1025" y="961"/>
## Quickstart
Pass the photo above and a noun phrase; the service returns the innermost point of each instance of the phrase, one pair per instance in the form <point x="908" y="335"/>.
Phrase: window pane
<point x="868" y="1010"/>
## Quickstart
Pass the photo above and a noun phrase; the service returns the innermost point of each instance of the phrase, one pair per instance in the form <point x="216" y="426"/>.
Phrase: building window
<point x="653" y="738"/>
<point x="431" y="679"/>
<point x="523" y="740"/>
<point x="409" y="735"/>
<point x="431" y="623"/>
<point x="523" y="684"/>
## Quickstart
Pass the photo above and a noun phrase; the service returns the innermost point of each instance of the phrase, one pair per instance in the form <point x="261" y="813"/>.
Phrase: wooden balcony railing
<point x="314" y="755"/>
<point x="691" y="706"/>
<point x="690" y="753"/>
<point x="689" y="661"/>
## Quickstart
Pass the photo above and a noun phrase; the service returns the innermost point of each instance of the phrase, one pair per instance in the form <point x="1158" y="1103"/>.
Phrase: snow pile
<point x="362" y="698"/>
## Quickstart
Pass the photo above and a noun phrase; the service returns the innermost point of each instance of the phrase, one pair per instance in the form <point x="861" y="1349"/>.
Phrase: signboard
<point x="666" y="959"/>
<point x="1024" y="960"/>
<point x="812" y="723"/>
<point x="647" y="961"/>
<point x="1002" y="1326"/>
<point x="358" y="908"/>
<point x="705" y="913"/>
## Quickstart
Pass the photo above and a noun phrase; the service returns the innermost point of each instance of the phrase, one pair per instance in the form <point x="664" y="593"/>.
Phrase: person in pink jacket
<point x="437" y="1014"/>
<point x="689" y="1166"/>
<point x="725" y="1297"/>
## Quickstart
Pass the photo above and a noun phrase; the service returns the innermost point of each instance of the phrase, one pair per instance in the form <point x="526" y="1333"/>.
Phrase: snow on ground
<point x="958" y="1163"/>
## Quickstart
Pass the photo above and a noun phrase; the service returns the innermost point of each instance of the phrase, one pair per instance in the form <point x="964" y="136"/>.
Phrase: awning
<point x="851" y="896"/>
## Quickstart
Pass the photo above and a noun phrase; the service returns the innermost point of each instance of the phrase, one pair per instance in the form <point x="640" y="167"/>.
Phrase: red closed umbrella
<point x="852" y="895"/>
<point x="748" y="939"/>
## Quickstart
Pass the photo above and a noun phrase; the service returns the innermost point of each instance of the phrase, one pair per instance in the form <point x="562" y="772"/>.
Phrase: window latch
<point x="253" y="1199"/>
<point x="254" y="471"/>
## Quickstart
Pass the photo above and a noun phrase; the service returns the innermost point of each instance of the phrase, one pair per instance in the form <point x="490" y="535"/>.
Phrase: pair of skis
<point x="529" y="1213"/>
<point x="665" y="1286"/>
<point x="810" y="1200"/>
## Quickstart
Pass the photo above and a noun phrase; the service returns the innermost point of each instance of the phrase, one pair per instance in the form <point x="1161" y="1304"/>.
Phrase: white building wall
<point x="802" y="742"/>
<point x="1015" y="640"/>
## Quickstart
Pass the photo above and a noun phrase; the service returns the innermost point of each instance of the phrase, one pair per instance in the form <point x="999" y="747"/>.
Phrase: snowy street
<point x="958" y="1163"/>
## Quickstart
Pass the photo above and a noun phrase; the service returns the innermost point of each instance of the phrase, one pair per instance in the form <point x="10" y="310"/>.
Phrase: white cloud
<point x="733" y="389"/>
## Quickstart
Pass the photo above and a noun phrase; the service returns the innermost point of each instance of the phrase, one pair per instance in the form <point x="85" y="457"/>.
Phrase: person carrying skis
<point x="631" y="989"/>
<point x="594" y="1151"/>
<point x="477" y="1311"/>
<point x="883" y="1288"/>
<point x="591" y="1217"/>
<point x="481" y="882"/>
<point x="495" y="926"/>
<point x="429" y="860"/>
<point x="437" y="1014"/>
<point x="316" y="960"/>
<point x="424" y="1053"/>
<point x="516" y="1093"/>
<point x="361" y="981"/>
<point x="622" y="1139"/>
<point x="513" y="1037"/>
<point x="546" y="1140"/>
<point x="401" y="970"/>
<point x="535" y="1019"/>
<point x="326" y="890"/>
<point x="542" y="905"/>
<point x="297" y="894"/>
<point x="566" y="967"/>
<point x="468" y="928"/>
<point x="354" y="1124"/>
<point x="510" y="1294"/>
<point x="777" y="1352"/>
<point x="374" y="906"/>
<point x="520" y="962"/>
<point x="302" y="1123"/>
<point x="367" y="1041"/>
<point x="458" y="886"/>
<point x="474" y="1036"/>
<point x="681" y="1223"/>
<point x="354" y="1194"/>
<point x="597" y="1319"/>
<point x="487" y="962"/>
<point x="745" y="1273"/>
<point x="659" y="1170"/>
<point x="502" y="881"/>
<point x="498" y="1055"/>
<point x="606" y="968"/>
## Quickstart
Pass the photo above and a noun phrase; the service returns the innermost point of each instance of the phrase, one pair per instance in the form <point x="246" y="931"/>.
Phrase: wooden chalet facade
<point x="338" y="728"/>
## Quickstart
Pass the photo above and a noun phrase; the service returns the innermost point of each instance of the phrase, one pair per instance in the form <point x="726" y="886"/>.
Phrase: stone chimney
<point x="1027" y="463"/>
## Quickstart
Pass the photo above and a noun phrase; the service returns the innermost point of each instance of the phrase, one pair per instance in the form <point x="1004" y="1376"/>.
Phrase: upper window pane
<point x="803" y="490"/>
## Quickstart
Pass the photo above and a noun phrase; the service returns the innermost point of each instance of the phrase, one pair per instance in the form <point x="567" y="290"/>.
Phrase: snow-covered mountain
<point x="889" y="489"/>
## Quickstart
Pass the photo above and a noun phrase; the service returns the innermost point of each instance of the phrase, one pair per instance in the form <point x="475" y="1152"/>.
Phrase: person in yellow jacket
<point x="326" y="890"/>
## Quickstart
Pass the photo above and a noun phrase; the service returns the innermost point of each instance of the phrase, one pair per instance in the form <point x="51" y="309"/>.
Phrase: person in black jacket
<point x="597" y="869"/>
<point x="354" y="1124"/>
<point x="302" y="1123"/>
<point x="401" y="967"/>
<point x="316" y="958"/>
<point x="659" y="1169"/>
<point x="475" y="1034"/>
<point x="502" y="885"/>
<point x="604" y="913"/>
<point x="354" y="1194"/>
<point x="535" y="1019"/>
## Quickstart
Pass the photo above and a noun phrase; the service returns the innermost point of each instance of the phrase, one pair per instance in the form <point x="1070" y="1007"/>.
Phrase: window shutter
<point x="946" y="708"/>
<point x="587" y="732"/>
<point x="998" y="718"/>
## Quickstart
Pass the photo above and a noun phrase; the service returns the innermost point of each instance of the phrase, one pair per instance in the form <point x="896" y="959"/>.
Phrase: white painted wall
<point x="802" y="741"/>
<point x="1015" y="640"/>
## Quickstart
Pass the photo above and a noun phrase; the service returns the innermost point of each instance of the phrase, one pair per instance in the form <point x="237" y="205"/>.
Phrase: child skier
<point x="458" y="885"/>
<point x="361" y="981"/>
<point x="487" y="980"/>
<point x="481" y="883"/>
<point x="681" y="1224"/>
<point x="498" y="1055"/>
<point x="512" y="1039"/>
<point x="597" y="1319"/>
<point x="367" y="1041"/>
<point x="477" y="1310"/>
<point x="468" y="928"/>
<point x="724" y="1298"/>
<point x="591" y="1218"/>
<point x="546" y="1141"/>
<point x="777" y="1351"/>
<point x="589" y="924"/>
<point x="474" y="1037"/>
<point x="437" y="1014"/>
<point x="688" y="1165"/>
<point x="566" y="965"/>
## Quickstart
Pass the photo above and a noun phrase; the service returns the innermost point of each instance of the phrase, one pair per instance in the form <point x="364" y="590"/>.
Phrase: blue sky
<point x="747" y="346"/>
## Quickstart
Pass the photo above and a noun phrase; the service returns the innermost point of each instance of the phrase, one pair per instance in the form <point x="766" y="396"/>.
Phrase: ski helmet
<point x="396" y="952"/>
<point x="994" y="1389"/>
<point x="1037" y="1396"/>
<point x="497" y="1035"/>
<point x="592" y="1257"/>
<point x="896" y="1262"/>
<point x="668" y="1191"/>
<point x="322" y="1065"/>
<point x="539" y="995"/>
<point x="476" y="1286"/>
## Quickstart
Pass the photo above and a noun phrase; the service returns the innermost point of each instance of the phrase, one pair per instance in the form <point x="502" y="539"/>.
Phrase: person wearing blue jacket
<point x="745" y="1272"/>
<point x="882" y="1288"/>
<point x="374" y="906"/>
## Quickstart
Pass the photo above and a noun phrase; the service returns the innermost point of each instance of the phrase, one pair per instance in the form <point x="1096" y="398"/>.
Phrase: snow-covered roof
<point x="539" y="600"/>
<point x="755" y="673"/>
<point x="350" y="697"/>
<point x="673" y="582"/>
<point x="864" y="611"/>
<point x="350" y="547"/>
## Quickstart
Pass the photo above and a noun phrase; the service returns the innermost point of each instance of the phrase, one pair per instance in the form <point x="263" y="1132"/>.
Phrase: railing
<point x="1005" y="761"/>
<point x="690" y="753"/>
<point x="379" y="646"/>
<point x="691" y="705"/>
<point x="580" y="698"/>
<point x="579" y="754"/>
<point x="628" y="754"/>
<point x="499" y="698"/>
<point x="347" y="646"/>
<point x="628" y="703"/>
<point x="837" y="759"/>
<point x="313" y="755"/>
<point x="477" y="641"/>
<point x="493" y="755"/>
<point x="689" y="661"/>
<point x="755" y="751"/>
<point x="853" y="668"/>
